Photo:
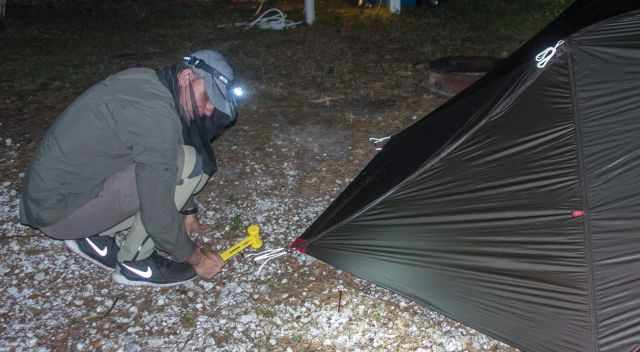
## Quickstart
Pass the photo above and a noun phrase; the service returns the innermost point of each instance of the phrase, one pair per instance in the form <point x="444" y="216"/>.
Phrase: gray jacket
<point x="129" y="118"/>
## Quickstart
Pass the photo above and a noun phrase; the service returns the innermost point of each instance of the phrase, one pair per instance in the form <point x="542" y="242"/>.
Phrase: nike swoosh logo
<point x="101" y="252"/>
<point x="145" y="274"/>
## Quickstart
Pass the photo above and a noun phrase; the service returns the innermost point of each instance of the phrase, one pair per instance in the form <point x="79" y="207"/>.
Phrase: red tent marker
<point x="577" y="213"/>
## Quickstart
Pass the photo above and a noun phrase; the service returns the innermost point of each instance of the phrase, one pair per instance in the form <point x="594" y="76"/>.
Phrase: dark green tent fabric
<point x="515" y="207"/>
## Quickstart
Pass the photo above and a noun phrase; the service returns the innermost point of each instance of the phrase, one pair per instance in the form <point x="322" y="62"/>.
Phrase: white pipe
<point x="309" y="11"/>
<point x="394" y="6"/>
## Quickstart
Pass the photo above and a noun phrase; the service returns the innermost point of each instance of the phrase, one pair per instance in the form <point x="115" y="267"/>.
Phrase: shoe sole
<point x="121" y="279"/>
<point x="73" y="246"/>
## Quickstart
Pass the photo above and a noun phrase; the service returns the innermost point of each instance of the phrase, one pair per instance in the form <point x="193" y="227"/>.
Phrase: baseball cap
<point x="218" y="76"/>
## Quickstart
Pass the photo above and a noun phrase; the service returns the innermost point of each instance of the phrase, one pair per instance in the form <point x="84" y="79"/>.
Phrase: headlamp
<point x="238" y="92"/>
<point x="232" y="90"/>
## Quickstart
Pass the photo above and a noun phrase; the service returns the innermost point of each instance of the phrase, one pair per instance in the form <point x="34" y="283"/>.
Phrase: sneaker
<point x="153" y="271"/>
<point x="101" y="250"/>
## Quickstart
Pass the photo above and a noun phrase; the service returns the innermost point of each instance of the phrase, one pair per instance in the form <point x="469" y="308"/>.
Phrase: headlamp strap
<point x="201" y="64"/>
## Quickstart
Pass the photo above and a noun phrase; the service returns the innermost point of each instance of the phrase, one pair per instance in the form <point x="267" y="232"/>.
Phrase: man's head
<point x="207" y="84"/>
<point x="192" y="94"/>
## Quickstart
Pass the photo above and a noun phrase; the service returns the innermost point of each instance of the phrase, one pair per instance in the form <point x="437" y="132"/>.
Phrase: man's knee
<point x="190" y="163"/>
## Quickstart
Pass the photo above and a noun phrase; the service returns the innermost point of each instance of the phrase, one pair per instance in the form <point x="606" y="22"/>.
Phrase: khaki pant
<point x="116" y="208"/>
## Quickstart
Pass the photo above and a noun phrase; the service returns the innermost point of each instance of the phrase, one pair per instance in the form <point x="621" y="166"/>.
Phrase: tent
<point x="515" y="207"/>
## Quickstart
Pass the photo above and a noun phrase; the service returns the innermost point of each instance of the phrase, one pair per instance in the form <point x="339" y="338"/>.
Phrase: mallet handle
<point x="253" y="240"/>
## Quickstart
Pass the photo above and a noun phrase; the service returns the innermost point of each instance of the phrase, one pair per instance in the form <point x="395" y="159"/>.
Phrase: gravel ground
<point x="51" y="299"/>
<point x="318" y="94"/>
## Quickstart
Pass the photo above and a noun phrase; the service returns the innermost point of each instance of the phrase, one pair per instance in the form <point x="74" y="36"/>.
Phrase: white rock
<point x="155" y="342"/>
<point x="131" y="347"/>
<point x="451" y="344"/>
<point x="80" y="346"/>
<point x="252" y="317"/>
<point x="206" y="285"/>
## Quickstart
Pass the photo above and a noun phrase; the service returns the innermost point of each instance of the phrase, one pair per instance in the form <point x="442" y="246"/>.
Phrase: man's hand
<point x="206" y="263"/>
<point x="193" y="225"/>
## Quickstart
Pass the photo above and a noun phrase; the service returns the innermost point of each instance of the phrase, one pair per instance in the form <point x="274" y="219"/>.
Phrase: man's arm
<point x="155" y="141"/>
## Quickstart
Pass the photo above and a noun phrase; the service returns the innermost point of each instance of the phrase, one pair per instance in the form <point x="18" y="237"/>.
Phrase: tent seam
<point x="585" y="198"/>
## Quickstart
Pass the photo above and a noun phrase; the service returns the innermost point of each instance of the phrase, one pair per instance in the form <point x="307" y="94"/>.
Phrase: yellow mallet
<point x="252" y="239"/>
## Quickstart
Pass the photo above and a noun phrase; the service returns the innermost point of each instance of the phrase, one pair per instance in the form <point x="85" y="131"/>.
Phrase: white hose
<point x="277" y="21"/>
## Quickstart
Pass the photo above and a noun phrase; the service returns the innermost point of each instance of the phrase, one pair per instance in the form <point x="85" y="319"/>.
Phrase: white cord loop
<point x="277" y="21"/>
<point x="547" y="54"/>
<point x="379" y="142"/>
<point x="267" y="256"/>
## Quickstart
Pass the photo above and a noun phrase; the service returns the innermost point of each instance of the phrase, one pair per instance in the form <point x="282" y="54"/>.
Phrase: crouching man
<point x="130" y="153"/>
